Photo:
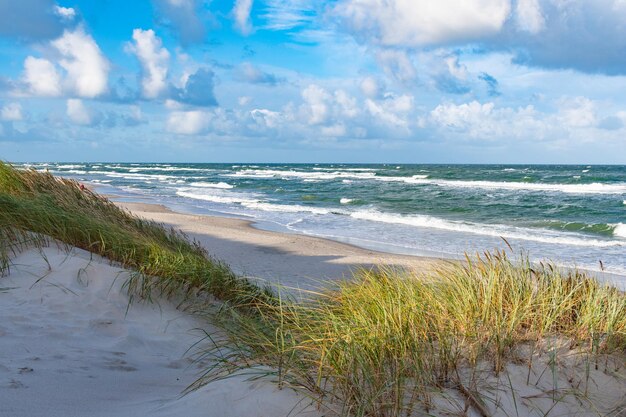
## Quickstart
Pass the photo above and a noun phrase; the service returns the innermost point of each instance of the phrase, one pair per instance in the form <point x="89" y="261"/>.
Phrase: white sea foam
<point x="423" y="179"/>
<point x="346" y="201"/>
<point x="346" y="169"/>
<point x="222" y="185"/>
<point x="134" y="176"/>
<point x="592" y="188"/>
<point x="620" y="230"/>
<point x="253" y="204"/>
<point x="508" y="232"/>
<point x="235" y="199"/>
<point x="69" y="166"/>
<point x="270" y="173"/>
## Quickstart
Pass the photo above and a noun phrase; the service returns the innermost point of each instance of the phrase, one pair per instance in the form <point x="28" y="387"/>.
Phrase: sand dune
<point x="68" y="348"/>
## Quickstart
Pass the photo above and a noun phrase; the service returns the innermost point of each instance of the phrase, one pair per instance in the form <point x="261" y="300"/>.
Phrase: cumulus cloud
<point x="41" y="77"/>
<point x="86" y="67"/>
<point x="417" y="23"/>
<point x="187" y="122"/>
<point x="266" y="118"/>
<point x="370" y="87"/>
<point x="30" y="19"/>
<point x="316" y="104"/>
<point x="198" y="89"/>
<point x="588" y="36"/>
<point x="251" y="74"/>
<point x="11" y="112"/>
<point x="80" y="114"/>
<point x="184" y="17"/>
<point x="154" y="60"/>
<point x="577" y="112"/>
<point x="391" y="110"/>
<point x="241" y="12"/>
<point x="529" y="16"/>
<point x="486" y="122"/>
<point x="66" y="13"/>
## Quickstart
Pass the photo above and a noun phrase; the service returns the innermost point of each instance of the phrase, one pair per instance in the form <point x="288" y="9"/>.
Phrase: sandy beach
<point x="68" y="347"/>
<point x="290" y="260"/>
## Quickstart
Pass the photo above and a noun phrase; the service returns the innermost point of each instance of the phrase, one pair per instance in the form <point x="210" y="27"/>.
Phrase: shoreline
<point x="292" y="260"/>
<point x="288" y="259"/>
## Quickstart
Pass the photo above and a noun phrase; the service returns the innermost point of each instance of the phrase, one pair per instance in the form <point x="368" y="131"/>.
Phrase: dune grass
<point x="385" y="341"/>
<point x="378" y="344"/>
<point x="35" y="205"/>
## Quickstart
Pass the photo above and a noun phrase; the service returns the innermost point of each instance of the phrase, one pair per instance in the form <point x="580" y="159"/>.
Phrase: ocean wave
<point x="507" y="232"/>
<point x="269" y="173"/>
<point x="253" y="204"/>
<point x="424" y="179"/>
<point x="165" y="168"/>
<point x="592" y="188"/>
<point x="346" y="169"/>
<point x="135" y="176"/>
<point x="221" y="185"/>
<point x="620" y="230"/>
<point x="69" y="166"/>
<point x="346" y="200"/>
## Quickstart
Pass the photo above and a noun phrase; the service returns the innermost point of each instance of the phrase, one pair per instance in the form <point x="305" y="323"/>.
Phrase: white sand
<point x="293" y="260"/>
<point x="68" y="349"/>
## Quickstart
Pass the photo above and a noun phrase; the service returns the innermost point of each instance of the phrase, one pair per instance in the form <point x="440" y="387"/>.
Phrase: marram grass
<point x="35" y="205"/>
<point x="379" y="344"/>
<point x="385" y="340"/>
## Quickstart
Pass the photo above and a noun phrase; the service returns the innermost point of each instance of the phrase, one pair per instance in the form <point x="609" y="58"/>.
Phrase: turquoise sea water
<point x="570" y="214"/>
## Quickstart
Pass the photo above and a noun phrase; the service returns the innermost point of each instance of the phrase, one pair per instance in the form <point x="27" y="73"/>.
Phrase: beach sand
<point x="291" y="260"/>
<point x="68" y="348"/>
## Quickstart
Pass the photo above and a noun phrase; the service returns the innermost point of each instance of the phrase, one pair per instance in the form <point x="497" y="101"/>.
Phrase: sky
<point x="362" y="81"/>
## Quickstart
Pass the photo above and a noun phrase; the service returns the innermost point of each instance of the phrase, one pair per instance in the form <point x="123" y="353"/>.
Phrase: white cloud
<point x="392" y="110"/>
<point x="577" y="112"/>
<point x="79" y="113"/>
<point x="528" y="16"/>
<point x="266" y="118"/>
<point x="484" y="121"/>
<point x="11" y="112"/>
<point x="87" y="68"/>
<point x="316" y="104"/>
<point x="66" y="13"/>
<point x="41" y="77"/>
<point x="187" y="122"/>
<point x="346" y="105"/>
<point x="414" y="23"/>
<point x="370" y="87"/>
<point x="241" y="12"/>
<point x="334" y="130"/>
<point x="463" y="116"/>
<point x="154" y="59"/>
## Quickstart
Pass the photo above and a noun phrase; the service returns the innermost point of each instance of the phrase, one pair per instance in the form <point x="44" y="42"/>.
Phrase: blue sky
<point x="459" y="81"/>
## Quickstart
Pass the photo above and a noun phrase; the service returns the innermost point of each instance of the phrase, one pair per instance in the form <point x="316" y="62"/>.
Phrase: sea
<point x="574" y="215"/>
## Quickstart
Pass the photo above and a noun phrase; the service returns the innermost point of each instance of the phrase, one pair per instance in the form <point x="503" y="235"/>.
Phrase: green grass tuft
<point x="39" y="204"/>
